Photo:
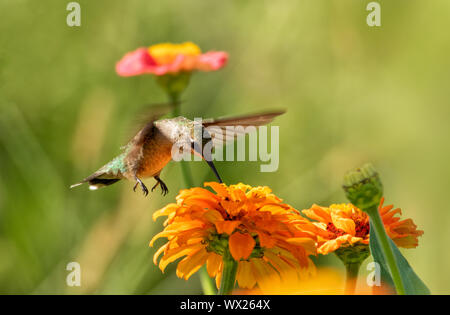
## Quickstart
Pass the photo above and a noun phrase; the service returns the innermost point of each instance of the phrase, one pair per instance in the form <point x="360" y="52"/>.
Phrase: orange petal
<point x="189" y="265"/>
<point x="408" y="241"/>
<point x="265" y="240"/>
<point x="176" y="253"/>
<point x="213" y="264"/>
<point x="332" y="245"/>
<point x="213" y="216"/>
<point x="241" y="245"/>
<point x="307" y="243"/>
<point x="170" y="208"/>
<point x="388" y="216"/>
<point x="220" y="189"/>
<point x="318" y="213"/>
<point x="245" y="276"/>
<point x="219" y="277"/>
<point x="343" y="223"/>
<point x="176" y="228"/>
<point x="226" y="226"/>
<point x="159" y="252"/>
<point x="264" y="271"/>
<point x="277" y="262"/>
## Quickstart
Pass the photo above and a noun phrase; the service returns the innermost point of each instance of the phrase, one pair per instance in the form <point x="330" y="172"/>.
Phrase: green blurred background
<point x="353" y="94"/>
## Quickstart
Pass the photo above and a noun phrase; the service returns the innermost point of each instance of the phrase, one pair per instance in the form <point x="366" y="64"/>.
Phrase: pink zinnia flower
<point x="167" y="58"/>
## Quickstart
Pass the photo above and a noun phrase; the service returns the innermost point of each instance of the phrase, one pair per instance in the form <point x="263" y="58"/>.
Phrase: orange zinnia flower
<point x="265" y="236"/>
<point x="168" y="58"/>
<point x="345" y="224"/>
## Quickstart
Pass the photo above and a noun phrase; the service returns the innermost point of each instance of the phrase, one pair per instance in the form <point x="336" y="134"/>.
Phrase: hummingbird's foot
<point x="144" y="188"/>
<point x="154" y="187"/>
<point x="164" y="189"/>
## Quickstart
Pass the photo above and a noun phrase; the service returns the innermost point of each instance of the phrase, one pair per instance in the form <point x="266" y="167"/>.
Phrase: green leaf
<point x="411" y="281"/>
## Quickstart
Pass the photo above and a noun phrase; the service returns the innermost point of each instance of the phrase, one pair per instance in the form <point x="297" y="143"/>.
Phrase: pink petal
<point x="141" y="62"/>
<point x="213" y="60"/>
<point x="174" y="67"/>
<point x="135" y="63"/>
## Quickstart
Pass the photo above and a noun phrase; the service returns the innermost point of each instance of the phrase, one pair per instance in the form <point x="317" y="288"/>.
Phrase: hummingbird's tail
<point x="96" y="181"/>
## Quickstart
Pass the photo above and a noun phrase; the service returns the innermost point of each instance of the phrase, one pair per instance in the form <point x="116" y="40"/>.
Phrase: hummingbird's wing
<point x="247" y="120"/>
<point x="134" y="150"/>
<point x="217" y="128"/>
<point x="147" y="117"/>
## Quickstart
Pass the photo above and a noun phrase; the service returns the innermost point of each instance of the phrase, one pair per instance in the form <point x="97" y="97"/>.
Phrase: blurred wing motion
<point x="148" y="116"/>
<point x="217" y="128"/>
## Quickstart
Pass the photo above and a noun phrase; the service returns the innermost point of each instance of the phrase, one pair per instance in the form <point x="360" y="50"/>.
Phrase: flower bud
<point x="363" y="187"/>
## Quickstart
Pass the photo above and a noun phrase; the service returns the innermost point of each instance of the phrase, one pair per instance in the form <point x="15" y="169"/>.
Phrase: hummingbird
<point x="150" y="150"/>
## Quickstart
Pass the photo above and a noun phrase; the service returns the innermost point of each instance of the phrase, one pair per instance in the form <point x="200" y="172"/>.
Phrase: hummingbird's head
<point x="178" y="129"/>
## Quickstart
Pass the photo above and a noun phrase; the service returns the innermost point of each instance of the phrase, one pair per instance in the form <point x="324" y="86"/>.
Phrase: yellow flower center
<point x="166" y="53"/>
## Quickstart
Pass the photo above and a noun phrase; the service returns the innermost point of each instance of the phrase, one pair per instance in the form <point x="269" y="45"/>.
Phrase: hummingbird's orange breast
<point x="157" y="152"/>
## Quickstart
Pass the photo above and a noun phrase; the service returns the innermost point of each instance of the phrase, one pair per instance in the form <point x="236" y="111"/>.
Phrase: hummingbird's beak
<point x="197" y="150"/>
<point x="213" y="167"/>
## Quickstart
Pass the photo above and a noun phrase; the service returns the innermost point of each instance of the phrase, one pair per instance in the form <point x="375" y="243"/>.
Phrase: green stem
<point x="206" y="282"/>
<point x="352" y="270"/>
<point x="388" y="253"/>
<point x="228" y="274"/>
